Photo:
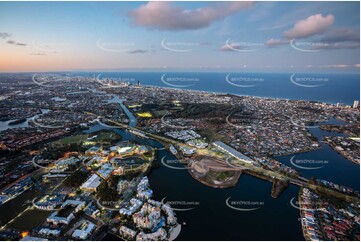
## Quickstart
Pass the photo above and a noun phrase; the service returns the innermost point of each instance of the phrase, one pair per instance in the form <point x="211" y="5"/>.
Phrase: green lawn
<point x="29" y="219"/>
<point x="78" y="139"/>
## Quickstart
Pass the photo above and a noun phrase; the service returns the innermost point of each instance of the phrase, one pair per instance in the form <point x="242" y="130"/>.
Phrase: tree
<point x="107" y="193"/>
<point x="76" y="179"/>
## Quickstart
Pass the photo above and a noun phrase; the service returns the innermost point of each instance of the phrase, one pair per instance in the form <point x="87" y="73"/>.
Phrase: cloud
<point x="276" y="42"/>
<point x="13" y="42"/>
<point x="164" y="16"/>
<point x="341" y="35"/>
<point x="231" y="47"/>
<point x="335" y="66"/>
<point x="313" y="25"/>
<point x="339" y="45"/>
<point x="340" y="38"/>
<point x="137" y="51"/>
<point x="38" y="53"/>
<point x="4" y="35"/>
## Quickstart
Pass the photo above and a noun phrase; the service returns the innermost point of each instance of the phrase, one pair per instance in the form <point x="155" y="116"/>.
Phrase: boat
<point x="172" y="149"/>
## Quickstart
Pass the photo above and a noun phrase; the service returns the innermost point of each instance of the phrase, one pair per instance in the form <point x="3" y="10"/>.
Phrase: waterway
<point x="325" y="163"/>
<point x="203" y="211"/>
<point x="132" y="119"/>
<point x="210" y="218"/>
<point x="4" y="125"/>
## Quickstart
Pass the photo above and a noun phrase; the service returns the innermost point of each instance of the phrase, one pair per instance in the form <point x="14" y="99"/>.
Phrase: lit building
<point x="47" y="232"/>
<point x="66" y="214"/>
<point x="84" y="230"/>
<point x="105" y="171"/>
<point x="93" y="150"/>
<point x="232" y="152"/>
<point x="92" y="183"/>
<point x="30" y="238"/>
<point x="160" y="234"/>
<point x="135" y="205"/>
<point x="127" y="232"/>
<point x="355" y="104"/>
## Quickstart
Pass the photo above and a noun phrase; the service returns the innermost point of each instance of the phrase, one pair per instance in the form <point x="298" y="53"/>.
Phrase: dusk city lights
<point x="180" y="120"/>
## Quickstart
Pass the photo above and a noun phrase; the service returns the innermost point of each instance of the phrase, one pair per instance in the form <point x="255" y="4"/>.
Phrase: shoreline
<point x="239" y="95"/>
<point x="341" y="152"/>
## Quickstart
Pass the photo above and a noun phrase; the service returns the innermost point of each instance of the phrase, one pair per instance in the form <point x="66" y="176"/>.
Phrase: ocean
<point x="330" y="88"/>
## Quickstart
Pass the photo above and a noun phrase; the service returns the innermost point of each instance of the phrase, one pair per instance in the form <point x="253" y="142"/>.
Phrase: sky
<point x="185" y="36"/>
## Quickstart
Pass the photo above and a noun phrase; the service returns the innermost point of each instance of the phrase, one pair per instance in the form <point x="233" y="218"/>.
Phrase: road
<point x="298" y="181"/>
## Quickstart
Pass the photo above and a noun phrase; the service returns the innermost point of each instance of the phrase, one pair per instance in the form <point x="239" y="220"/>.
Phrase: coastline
<point x="238" y="95"/>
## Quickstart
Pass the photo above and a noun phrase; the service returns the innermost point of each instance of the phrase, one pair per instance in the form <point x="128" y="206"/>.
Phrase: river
<point x="203" y="212"/>
<point x="4" y="125"/>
